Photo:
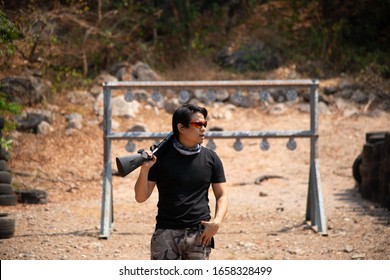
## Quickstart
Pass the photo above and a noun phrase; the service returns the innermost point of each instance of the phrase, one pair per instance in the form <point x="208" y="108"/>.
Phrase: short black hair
<point x="183" y="115"/>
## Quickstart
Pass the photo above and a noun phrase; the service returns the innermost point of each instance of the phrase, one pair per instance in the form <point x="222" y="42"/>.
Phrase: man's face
<point x="195" y="133"/>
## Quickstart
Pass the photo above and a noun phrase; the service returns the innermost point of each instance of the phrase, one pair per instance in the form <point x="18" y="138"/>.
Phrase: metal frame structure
<point x="315" y="214"/>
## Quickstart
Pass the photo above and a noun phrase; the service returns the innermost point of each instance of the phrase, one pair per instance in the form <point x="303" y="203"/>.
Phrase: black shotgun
<point x="128" y="164"/>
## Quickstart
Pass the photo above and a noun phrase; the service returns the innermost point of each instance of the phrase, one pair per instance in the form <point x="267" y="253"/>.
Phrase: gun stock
<point x="128" y="164"/>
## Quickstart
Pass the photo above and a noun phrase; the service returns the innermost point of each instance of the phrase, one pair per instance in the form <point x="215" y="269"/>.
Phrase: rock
<point x="358" y="257"/>
<point x="205" y="96"/>
<point x="348" y="248"/>
<point x="80" y="97"/>
<point x="26" y="91"/>
<point x="114" y="124"/>
<point x="249" y="101"/>
<point x="44" y="128"/>
<point x="277" y="109"/>
<point x="104" y="77"/>
<point x="120" y="107"/>
<point x="74" y="120"/>
<point x="95" y="90"/>
<point x="323" y="108"/>
<point x="330" y="90"/>
<point x="171" y="105"/>
<point x="124" y="73"/>
<point x="342" y="104"/>
<point x="138" y="128"/>
<point x="345" y="93"/>
<point x="350" y="112"/>
<point x="359" y="97"/>
<point x="222" y="95"/>
<point x="143" y="72"/>
<point x="304" y="108"/>
<point x="30" y="119"/>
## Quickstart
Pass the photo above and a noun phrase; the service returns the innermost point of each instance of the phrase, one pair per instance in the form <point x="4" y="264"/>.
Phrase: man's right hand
<point x="151" y="161"/>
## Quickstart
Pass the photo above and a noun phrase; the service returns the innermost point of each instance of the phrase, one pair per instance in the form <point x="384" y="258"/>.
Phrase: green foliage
<point x="8" y="34"/>
<point x="6" y="144"/>
<point x="65" y="78"/>
<point x="67" y="43"/>
<point x="8" y="107"/>
<point x="7" y="110"/>
<point x="346" y="35"/>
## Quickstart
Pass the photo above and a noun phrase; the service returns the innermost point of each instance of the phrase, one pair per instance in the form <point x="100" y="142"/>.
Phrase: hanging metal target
<point x="184" y="96"/>
<point x="238" y="145"/>
<point x="211" y="145"/>
<point x="264" y="95"/>
<point x="264" y="145"/>
<point x="237" y="97"/>
<point x="156" y="96"/>
<point x="130" y="146"/>
<point x="211" y="95"/>
<point x="291" y="95"/>
<point x="291" y="144"/>
<point x="129" y="95"/>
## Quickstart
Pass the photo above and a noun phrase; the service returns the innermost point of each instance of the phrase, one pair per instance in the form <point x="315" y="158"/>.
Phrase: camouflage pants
<point x="178" y="244"/>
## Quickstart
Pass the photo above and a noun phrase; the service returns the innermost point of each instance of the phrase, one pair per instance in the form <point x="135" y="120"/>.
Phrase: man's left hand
<point x="210" y="229"/>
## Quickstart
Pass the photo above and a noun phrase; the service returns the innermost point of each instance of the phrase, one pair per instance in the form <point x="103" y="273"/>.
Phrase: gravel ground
<point x="265" y="221"/>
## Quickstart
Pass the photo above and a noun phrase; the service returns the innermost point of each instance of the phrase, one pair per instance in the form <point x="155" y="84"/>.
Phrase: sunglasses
<point x="198" y="124"/>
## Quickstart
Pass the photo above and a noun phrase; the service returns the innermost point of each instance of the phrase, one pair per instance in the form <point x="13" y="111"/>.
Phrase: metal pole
<point x="107" y="203"/>
<point x="214" y="134"/>
<point x="211" y="84"/>
<point x="316" y="213"/>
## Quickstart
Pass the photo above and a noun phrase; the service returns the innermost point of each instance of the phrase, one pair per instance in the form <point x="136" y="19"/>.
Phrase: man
<point x="183" y="174"/>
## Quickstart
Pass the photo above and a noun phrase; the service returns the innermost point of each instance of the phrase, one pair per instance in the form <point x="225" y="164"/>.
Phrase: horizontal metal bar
<point x="210" y="84"/>
<point x="258" y="134"/>
<point x="216" y="134"/>
<point x="138" y="135"/>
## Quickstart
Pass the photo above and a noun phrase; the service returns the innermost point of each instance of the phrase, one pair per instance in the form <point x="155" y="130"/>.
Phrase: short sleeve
<point x="152" y="176"/>
<point x="218" y="175"/>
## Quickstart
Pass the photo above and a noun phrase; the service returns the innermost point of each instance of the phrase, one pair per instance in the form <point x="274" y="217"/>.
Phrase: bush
<point x="7" y="110"/>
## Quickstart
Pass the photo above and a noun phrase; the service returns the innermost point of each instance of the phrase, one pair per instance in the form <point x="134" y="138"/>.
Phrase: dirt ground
<point x="264" y="221"/>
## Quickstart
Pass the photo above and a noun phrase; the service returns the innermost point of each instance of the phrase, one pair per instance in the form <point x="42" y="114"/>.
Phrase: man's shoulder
<point x="209" y="152"/>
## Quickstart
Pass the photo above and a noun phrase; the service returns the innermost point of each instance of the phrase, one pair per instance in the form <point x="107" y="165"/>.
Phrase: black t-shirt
<point x="183" y="182"/>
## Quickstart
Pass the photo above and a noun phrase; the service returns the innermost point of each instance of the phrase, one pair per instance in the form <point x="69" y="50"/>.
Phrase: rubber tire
<point x="32" y="196"/>
<point x="7" y="225"/>
<point x="4" y="154"/>
<point x="375" y="136"/>
<point x="6" y="189"/>
<point x="8" y="199"/>
<point x="5" y="177"/>
<point x="355" y="169"/>
<point x="385" y="165"/>
<point x="4" y="165"/>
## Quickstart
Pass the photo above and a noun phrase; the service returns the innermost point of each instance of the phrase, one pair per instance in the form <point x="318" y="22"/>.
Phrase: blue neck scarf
<point x="184" y="150"/>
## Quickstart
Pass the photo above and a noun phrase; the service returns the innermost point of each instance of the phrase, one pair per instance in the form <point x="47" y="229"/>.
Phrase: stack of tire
<point x="371" y="169"/>
<point x="384" y="173"/>
<point x="7" y="194"/>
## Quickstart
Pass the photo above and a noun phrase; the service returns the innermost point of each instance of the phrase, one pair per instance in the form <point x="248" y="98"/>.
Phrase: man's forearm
<point x="221" y="209"/>
<point x="141" y="187"/>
